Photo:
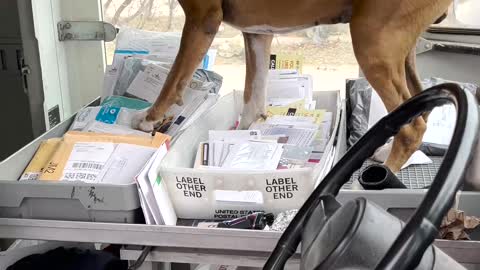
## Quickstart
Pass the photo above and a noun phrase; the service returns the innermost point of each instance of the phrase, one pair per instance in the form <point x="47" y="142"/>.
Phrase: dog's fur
<point x="384" y="34"/>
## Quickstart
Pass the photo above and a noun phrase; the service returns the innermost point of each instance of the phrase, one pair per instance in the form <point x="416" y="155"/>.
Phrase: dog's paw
<point x="249" y="118"/>
<point x="140" y="122"/>
<point x="382" y="153"/>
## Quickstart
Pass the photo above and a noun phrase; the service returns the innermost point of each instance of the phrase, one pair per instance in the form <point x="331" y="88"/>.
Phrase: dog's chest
<point x="262" y="18"/>
<point x="269" y="29"/>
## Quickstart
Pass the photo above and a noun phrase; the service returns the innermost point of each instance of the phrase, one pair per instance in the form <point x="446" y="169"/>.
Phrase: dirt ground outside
<point x="330" y="60"/>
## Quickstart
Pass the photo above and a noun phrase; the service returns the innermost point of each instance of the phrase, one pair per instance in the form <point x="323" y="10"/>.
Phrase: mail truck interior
<point x="84" y="185"/>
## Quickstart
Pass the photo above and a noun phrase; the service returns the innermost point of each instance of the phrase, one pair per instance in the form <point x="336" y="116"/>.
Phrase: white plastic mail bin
<point x="193" y="191"/>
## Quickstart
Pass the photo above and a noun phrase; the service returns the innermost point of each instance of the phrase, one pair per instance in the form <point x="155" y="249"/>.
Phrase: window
<point x="462" y="19"/>
<point x="466" y="12"/>
<point x="327" y="50"/>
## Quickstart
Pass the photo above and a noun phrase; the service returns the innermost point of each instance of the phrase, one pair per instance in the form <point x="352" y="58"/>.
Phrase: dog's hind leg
<point x="203" y="19"/>
<point x="413" y="81"/>
<point x="257" y="53"/>
<point x="381" y="46"/>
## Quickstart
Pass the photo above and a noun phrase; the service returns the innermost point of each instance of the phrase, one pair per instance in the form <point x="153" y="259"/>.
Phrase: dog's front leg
<point x="201" y="24"/>
<point x="257" y="53"/>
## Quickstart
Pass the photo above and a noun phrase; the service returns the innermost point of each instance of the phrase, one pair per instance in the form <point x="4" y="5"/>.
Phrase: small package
<point x="254" y="155"/>
<point x="105" y="114"/>
<point x="286" y="61"/>
<point x="100" y="127"/>
<point x="88" y="154"/>
<point x="294" y="156"/>
<point x="40" y="159"/>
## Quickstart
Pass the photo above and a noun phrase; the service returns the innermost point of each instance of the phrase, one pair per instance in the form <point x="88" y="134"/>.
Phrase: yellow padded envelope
<point x="40" y="159"/>
<point x="55" y="167"/>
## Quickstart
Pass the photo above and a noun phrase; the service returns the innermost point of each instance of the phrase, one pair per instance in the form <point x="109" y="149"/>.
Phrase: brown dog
<point x="384" y="34"/>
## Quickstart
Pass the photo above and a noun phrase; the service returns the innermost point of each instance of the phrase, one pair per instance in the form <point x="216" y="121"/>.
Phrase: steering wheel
<point x="331" y="233"/>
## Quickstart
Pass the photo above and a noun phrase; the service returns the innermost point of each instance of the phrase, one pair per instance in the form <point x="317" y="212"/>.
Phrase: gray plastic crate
<point x="74" y="201"/>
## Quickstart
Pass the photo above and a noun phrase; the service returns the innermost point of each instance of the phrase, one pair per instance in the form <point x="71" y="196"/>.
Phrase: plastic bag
<point x="135" y="49"/>
<point x="359" y="98"/>
<point x="201" y="80"/>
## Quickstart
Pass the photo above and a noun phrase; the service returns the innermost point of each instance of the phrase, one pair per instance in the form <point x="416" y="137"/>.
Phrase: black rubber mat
<point x="414" y="176"/>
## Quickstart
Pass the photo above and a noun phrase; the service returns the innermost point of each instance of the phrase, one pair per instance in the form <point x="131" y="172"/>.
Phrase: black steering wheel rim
<point x="421" y="229"/>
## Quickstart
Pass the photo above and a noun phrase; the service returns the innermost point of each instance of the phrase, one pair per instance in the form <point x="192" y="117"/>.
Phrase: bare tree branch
<point x="172" y="4"/>
<point x="107" y="5"/>
<point x="142" y="8"/>
<point x="147" y="14"/>
<point x="120" y="10"/>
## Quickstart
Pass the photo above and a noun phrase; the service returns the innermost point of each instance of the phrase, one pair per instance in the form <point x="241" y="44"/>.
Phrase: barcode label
<point x="80" y="176"/>
<point x="30" y="176"/>
<point x="87" y="165"/>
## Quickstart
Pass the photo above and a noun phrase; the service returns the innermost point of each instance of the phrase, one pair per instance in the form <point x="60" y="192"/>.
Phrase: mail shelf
<point x="180" y="243"/>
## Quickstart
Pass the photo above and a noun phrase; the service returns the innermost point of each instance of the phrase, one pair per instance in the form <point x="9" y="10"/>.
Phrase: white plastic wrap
<point x="254" y="155"/>
<point x="361" y="97"/>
